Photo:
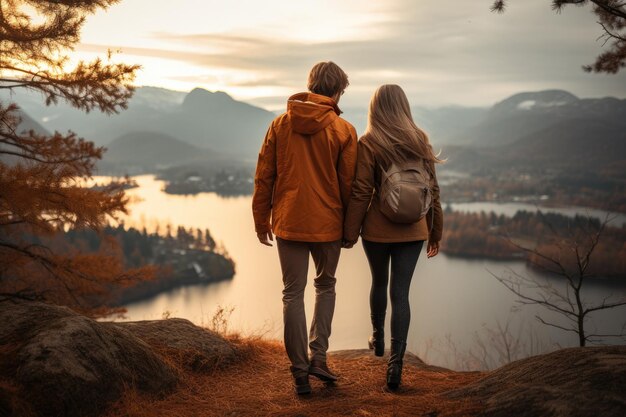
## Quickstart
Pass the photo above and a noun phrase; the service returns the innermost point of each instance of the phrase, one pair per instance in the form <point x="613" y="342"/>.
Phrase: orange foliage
<point x="477" y="235"/>
<point x="42" y="189"/>
<point x="34" y="55"/>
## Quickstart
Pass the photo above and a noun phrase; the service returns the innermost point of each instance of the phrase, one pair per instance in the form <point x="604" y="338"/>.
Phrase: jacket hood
<point x="309" y="113"/>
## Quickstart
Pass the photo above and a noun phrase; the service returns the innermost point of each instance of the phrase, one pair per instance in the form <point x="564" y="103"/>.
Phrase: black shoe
<point x="394" y="367"/>
<point x="394" y="375"/>
<point x="377" y="345"/>
<point x="320" y="370"/>
<point x="376" y="341"/>
<point x="301" y="385"/>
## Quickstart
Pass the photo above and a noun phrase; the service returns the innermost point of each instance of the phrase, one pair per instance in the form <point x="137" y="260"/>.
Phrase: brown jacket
<point x="364" y="213"/>
<point x="305" y="170"/>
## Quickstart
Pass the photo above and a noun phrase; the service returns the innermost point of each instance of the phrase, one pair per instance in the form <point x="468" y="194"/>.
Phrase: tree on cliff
<point x="43" y="178"/>
<point x="611" y="16"/>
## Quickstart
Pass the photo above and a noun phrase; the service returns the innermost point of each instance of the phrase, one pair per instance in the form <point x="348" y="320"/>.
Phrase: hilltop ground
<point x="260" y="384"/>
<point x="55" y="362"/>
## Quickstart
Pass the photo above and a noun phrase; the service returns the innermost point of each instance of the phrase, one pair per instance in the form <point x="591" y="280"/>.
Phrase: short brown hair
<point x="327" y="79"/>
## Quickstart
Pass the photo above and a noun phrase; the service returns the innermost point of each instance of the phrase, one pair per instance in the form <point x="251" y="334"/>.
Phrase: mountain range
<point x="523" y="114"/>
<point x="546" y="130"/>
<point x="211" y="120"/>
<point x="145" y="151"/>
<point x="166" y="128"/>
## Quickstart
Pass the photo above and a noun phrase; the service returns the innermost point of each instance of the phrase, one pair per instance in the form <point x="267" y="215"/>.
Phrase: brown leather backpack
<point x="405" y="192"/>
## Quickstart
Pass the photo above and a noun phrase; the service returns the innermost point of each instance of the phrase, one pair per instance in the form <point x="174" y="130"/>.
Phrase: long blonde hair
<point x="394" y="135"/>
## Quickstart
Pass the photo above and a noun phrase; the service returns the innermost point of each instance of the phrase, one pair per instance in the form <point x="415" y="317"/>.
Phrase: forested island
<point x="183" y="257"/>
<point x="226" y="182"/>
<point x="487" y="235"/>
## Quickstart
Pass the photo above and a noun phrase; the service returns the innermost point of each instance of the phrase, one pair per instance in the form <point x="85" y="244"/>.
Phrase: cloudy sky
<point x="441" y="52"/>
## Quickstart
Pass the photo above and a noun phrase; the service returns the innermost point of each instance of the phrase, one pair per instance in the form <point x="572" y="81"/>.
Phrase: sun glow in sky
<point x="261" y="51"/>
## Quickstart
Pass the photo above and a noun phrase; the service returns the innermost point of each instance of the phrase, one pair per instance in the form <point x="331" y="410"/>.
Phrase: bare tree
<point x="572" y="259"/>
<point x="611" y="17"/>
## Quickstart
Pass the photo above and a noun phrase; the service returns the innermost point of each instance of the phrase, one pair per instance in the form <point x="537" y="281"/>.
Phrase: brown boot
<point x="320" y="370"/>
<point x="301" y="385"/>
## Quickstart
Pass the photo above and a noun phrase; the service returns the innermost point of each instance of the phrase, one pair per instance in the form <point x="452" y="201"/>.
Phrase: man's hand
<point x="432" y="249"/>
<point x="265" y="238"/>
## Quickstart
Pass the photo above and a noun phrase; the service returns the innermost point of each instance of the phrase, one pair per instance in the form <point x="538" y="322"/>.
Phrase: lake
<point x="452" y="299"/>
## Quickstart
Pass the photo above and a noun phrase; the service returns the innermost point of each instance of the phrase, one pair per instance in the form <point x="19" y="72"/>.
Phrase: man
<point x="301" y="191"/>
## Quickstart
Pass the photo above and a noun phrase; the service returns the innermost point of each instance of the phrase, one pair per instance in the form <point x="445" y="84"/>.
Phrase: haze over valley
<point x="572" y="142"/>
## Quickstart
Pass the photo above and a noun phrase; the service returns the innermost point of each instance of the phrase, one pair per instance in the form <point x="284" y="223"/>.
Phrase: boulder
<point x="56" y="362"/>
<point x="573" y="382"/>
<point x="196" y="348"/>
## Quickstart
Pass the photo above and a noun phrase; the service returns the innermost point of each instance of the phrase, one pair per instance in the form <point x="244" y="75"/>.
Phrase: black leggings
<point x="403" y="257"/>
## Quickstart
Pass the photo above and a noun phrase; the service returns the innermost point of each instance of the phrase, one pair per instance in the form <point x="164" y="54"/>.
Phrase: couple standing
<point x="317" y="187"/>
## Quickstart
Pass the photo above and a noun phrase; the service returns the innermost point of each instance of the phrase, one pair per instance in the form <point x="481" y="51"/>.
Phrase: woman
<point x="391" y="138"/>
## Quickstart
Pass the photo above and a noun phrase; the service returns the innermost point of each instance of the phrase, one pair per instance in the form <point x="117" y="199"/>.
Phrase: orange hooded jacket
<point x="305" y="171"/>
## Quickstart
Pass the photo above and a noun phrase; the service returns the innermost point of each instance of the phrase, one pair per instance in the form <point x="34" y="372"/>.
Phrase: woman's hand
<point x="347" y="244"/>
<point x="432" y="249"/>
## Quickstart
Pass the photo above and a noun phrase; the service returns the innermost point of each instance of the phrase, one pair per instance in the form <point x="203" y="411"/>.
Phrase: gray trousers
<point x="294" y="262"/>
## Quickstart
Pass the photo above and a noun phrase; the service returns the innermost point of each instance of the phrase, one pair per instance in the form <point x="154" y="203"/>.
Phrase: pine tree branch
<point x="615" y="11"/>
<point x="43" y="161"/>
<point x="45" y="262"/>
<point x="612" y="18"/>
<point x="87" y="86"/>
<point x="611" y="34"/>
<point x="44" y="191"/>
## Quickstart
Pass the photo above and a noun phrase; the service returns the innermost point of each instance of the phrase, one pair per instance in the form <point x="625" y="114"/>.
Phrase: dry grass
<point x="260" y="384"/>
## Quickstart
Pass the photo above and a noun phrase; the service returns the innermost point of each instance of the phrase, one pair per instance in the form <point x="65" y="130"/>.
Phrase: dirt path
<point x="260" y="384"/>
